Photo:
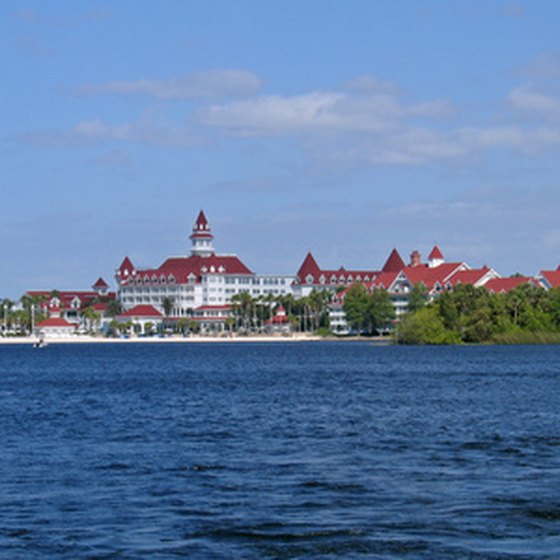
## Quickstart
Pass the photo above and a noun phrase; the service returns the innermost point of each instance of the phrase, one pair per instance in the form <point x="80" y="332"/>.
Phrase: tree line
<point x="469" y="314"/>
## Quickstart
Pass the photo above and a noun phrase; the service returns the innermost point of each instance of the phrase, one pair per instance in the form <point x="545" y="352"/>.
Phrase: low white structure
<point x="55" y="326"/>
<point x="140" y="316"/>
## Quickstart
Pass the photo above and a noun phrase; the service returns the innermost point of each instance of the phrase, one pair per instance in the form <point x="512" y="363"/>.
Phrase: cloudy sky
<point x="343" y="127"/>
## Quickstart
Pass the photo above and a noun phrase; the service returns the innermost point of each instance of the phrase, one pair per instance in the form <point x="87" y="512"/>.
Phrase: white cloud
<point x="527" y="98"/>
<point x="97" y="131"/>
<point x="213" y="83"/>
<point x="318" y="112"/>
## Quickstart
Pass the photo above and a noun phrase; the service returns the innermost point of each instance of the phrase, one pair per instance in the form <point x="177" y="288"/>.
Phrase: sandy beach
<point x="84" y="339"/>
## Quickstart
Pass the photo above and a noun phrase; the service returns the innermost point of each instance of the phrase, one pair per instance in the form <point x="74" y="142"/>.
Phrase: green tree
<point x="356" y="307"/>
<point x="380" y="310"/>
<point x="418" y="297"/>
<point x="425" y="327"/>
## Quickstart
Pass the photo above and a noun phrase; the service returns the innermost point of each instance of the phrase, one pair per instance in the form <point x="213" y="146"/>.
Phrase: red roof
<point x="394" y="262"/>
<point x="126" y="268"/>
<point x="498" y="285"/>
<point x="201" y="228"/>
<point x="552" y="277"/>
<point x="100" y="283"/>
<point x="423" y="274"/>
<point x="309" y="267"/>
<point x="201" y="222"/>
<point x="471" y="276"/>
<point x="54" y="322"/>
<point x="435" y="254"/>
<point x="180" y="268"/>
<point x="142" y="311"/>
<point x="66" y="297"/>
<point x="385" y="279"/>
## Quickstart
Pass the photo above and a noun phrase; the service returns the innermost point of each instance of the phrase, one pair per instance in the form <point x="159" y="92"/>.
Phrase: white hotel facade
<point x="202" y="283"/>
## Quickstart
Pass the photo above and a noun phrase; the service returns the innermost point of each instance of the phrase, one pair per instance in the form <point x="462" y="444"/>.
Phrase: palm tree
<point x="114" y="308"/>
<point x="91" y="317"/>
<point x="167" y="304"/>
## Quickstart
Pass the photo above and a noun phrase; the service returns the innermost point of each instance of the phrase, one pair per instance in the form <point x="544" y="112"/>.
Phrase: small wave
<point x="334" y="486"/>
<point x="113" y="467"/>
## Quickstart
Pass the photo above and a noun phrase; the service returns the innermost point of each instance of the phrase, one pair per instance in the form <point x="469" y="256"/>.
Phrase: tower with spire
<point x="201" y="237"/>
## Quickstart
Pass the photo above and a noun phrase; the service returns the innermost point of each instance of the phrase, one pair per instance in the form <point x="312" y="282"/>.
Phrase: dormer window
<point x="204" y="270"/>
<point x="322" y="279"/>
<point x="358" y="278"/>
<point x="162" y="279"/>
<point x="221" y="269"/>
<point x="212" y="268"/>
<point x="154" y="279"/>
<point x="146" y="279"/>
<point x="171" y="279"/>
<point x="191" y="278"/>
<point x="309" y="279"/>
<point x="333" y="279"/>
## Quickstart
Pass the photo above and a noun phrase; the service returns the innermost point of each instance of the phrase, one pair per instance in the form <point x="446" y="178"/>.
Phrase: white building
<point x="196" y="284"/>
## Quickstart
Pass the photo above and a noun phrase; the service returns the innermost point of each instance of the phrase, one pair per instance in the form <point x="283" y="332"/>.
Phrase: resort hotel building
<point x="200" y="285"/>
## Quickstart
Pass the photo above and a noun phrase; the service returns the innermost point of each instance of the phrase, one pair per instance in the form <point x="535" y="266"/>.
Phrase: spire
<point x="435" y="258"/>
<point x="394" y="262"/>
<point x="308" y="267"/>
<point x="100" y="286"/>
<point x="125" y="270"/>
<point x="201" y="237"/>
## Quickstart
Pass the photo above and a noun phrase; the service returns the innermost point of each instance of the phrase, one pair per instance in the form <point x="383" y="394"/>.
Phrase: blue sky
<point x="342" y="127"/>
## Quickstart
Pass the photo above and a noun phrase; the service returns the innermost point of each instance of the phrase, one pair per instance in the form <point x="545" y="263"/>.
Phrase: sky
<point x="345" y="128"/>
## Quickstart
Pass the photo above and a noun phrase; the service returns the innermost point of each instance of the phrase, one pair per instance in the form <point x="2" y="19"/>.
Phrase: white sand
<point x="81" y="339"/>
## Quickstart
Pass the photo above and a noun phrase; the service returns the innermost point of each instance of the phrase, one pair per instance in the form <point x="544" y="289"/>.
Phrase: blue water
<point x="289" y="450"/>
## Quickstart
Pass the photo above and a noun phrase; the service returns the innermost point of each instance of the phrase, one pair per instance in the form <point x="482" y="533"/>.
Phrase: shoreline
<point x="85" y="339"/>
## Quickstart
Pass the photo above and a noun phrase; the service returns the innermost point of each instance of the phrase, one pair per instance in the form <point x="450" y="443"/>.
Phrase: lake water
<point x="285" y="450"/>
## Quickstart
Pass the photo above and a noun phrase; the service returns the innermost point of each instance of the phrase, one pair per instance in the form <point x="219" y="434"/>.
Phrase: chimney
<point x="415" y="258"/>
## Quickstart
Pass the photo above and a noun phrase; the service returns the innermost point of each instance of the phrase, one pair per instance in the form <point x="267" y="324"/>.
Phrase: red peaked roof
<point x="384" y="279"/>
<point x="201" y="228"/>
<point x="498" y="285"/>
<point x="469" y="276"/>
<point x="309" y="266"/>
<point x="201" y="222"/>
<point x="100" y="283"/>
<point x="126" y="268"/>
<point x="394" y="262"/>
<point x="435" y="254"/>
<point x="552" y="277"/>
<point x="431" y="276"/>
<point x="54" y="322"/>
<point x="66" y="297"/>
<point x="182" y="267"/>
<point x="142" y="311"/>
